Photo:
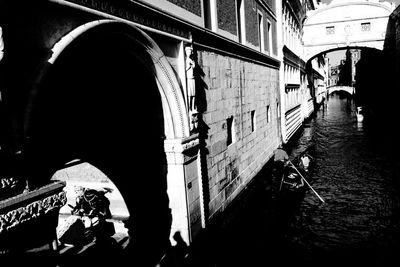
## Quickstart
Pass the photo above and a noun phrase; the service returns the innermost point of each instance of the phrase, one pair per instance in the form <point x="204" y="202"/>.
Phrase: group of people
<point x="285" y="169"/>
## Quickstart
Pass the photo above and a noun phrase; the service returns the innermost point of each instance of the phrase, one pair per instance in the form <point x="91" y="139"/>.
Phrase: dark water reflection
<point x="356" y="172"/>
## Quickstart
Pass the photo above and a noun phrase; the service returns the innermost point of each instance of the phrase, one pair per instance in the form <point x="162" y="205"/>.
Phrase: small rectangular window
<point x="330" y="30"/>
<point x="230" y="131"/>
<point x="365" y="27"/>
<point x="268" y="114"/>
<point x="240" y="20"/>
<point x="261" y="31"/>
<point x="278" y="110"/>
<point x="269" y="34"/>
<point x="253" y="120"/>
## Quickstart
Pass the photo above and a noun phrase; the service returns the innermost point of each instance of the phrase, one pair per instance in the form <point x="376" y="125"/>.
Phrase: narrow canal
<point x="356" y="172"/>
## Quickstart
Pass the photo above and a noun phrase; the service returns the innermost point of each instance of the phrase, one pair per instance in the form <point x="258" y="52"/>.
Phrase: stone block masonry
<point x="241" y="90"/>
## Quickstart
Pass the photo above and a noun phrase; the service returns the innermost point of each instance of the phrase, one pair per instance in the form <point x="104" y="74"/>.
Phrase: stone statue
<point x="190" y="79"/>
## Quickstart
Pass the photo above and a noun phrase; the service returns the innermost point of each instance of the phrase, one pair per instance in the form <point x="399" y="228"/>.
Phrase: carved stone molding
<point x="181" y="151"/>
<point x="23" y="208"/>
<point x="33" y="210"/>
<point x="135" y="13"/>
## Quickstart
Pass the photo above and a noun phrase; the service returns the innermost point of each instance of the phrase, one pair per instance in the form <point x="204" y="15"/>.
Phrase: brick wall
<point x="236" y="88"/>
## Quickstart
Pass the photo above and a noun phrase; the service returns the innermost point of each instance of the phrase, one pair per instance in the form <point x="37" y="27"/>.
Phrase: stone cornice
<point x="297" y="11"/>
<point x="290" y="57"/>
<point x="346" y="20"/>
<point x="181" y="145"/>
<point x="151" y="18"/>
<point x="181" y="151"/>
<point x="268" y="9"/>
<point x="138" y="13"/>
<point x="318" y="75"/>
<point x="39" y="193"/>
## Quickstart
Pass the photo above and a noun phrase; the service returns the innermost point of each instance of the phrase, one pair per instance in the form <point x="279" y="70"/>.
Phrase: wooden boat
<point x="300" y="187"/>
<point x="291" y="193"/>
<point x="294" y="180"/>
<point x="291" y="181"/>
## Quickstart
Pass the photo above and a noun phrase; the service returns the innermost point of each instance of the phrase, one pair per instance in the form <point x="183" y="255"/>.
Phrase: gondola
<point x="290" y="194"/>
<point x="294" y="178"/>
<point x="292" y="186"/>
<point x="296" y="181"/>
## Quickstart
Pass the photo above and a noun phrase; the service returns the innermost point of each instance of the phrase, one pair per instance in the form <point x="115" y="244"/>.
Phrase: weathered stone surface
<point x="25" y="207"/>
<point x="235" y="89"/>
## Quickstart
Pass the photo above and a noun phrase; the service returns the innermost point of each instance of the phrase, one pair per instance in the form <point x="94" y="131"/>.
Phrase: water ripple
<point x="358" y="180"/>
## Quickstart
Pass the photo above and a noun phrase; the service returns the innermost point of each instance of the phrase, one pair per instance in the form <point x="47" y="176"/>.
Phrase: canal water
<point x="356" y="173"/>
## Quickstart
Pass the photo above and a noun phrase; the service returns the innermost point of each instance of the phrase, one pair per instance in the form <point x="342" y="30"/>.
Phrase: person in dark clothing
<point x="281" y="160"/>
<point x="92" y="203"/>
<point x="292" y="178"/>
<point x="91" y="211"/>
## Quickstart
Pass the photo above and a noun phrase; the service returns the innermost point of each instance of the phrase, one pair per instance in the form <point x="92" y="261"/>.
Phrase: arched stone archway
<point x="354" y="47"/>
<point x="108" y="96"/>
<point x="345" y="89"/>
<point x="173" y="100"/>
<point x="345" y="23"/>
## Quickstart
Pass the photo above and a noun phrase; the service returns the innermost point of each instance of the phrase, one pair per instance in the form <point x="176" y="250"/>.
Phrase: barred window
<point x="330" y="30"/>
<point x="366" y="26"/>
<point x="253" y="120"/>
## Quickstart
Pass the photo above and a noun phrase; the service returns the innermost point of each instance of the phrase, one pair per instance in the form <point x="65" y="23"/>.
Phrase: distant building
<point x="334" y="75"/>
<point x="296" y="91"/>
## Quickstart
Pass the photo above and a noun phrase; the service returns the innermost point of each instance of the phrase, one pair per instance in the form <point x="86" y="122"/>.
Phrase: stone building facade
<point x="176" y="101"/>
<point x="297" y="101"/>
<point x="241" y="95"/>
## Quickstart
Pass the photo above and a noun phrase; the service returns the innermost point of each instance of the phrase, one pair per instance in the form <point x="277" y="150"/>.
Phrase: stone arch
<point x="173" y="100"/>
<point x="345" y="18"/>
<point x="313" y="53"/>
<point x="333" y="49"/>
<point x="346" y="89"/>
<point x="103" y="78"/>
